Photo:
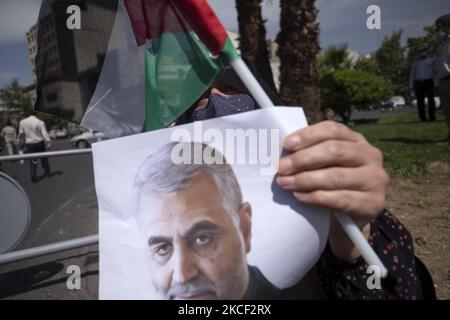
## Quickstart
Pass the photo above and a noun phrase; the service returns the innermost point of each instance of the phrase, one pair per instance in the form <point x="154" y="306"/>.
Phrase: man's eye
<point x="163" y="250"/>
<point x="202" y="240"/>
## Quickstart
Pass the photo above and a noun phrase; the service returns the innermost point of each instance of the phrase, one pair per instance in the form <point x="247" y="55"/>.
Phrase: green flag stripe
<point x="229" y="52"/>
<point x="179" y="69"/>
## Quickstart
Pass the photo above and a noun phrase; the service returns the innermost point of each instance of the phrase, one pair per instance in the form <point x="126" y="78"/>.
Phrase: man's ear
<point x="245" y="224"/>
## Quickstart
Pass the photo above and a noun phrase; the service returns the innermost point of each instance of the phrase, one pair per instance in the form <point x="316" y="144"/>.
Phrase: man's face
<point x="195" y="251"/>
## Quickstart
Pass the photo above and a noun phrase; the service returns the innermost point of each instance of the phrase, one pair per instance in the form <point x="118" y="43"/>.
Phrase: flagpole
<point x="347" y="223"/>
<point x="251" y="83"/>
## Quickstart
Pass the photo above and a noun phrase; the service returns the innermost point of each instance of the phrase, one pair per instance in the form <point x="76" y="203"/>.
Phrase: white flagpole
<point x="251" y="83"/>
<point x="352" y="230"/>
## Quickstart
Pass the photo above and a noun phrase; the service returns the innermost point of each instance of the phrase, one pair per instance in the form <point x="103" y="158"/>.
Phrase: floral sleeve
<point x="348" y="280"/>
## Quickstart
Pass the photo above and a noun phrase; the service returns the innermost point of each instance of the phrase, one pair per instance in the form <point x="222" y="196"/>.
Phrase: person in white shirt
<point x="36" y="137"/>
<point x="442" y="68"/>
<point x="9" y="134"/>
<point x="421" y="80"/>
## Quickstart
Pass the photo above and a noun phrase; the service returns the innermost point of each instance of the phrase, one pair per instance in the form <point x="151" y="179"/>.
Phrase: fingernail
<point x="292" y="141"/>
<point x="286" y="182"/>
<point x="285" y="165"/>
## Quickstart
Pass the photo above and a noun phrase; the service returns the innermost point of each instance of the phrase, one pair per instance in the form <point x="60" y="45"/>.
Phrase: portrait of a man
<point x="190" y="220"/>
<point x="196" y="229"/>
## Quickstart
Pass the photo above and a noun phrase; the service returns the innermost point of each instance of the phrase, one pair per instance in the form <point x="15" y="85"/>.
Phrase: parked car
<point x="74" y="130"/>
<point x="85" y="140"/>
<point x="387" y="106"/>
<point x="392" y="104"/>
<point x="398" y="102"/>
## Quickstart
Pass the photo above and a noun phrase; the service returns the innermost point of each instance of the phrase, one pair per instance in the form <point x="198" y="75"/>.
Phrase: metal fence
<point x="54" y="247"/>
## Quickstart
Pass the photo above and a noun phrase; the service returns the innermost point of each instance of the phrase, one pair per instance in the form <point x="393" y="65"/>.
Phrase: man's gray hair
<point x="160" y="174"/>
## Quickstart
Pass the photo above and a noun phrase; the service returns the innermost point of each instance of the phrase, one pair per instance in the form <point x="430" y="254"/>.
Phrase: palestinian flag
<point x="132" y="66"/>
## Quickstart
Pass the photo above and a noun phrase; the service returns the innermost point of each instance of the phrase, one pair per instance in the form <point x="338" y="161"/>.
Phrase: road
<point x="64" y="207"/>
<point x="69" y="189"/>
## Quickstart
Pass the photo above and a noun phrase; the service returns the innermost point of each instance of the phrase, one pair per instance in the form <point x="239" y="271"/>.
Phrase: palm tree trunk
<point x="252" y="40"/>
<point x="298" y="46"/>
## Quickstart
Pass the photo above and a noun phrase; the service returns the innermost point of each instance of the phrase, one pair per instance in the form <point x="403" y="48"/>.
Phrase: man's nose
<point x="184" y="266"/>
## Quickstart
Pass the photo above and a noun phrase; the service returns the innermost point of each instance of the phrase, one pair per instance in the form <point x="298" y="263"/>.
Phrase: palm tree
<point x="298" y="46"/>
<point x="335" y="57"/>
<point x="252" y="40"/>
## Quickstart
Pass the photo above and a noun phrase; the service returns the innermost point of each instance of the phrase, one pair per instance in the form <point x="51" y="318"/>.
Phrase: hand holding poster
<point x="203" y="218"/>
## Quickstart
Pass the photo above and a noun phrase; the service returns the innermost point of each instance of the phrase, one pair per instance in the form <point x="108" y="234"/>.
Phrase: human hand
<point x="334" y="167"/>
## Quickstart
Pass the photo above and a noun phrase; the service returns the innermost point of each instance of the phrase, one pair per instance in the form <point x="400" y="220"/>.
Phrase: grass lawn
<point x="408" y="145"/>
<point x="419" y="191"/>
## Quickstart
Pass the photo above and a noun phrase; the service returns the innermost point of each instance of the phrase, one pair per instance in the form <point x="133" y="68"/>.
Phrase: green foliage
<point x="53" y="122"/>
<point x="392" y="63"/>
<point x="17" y="104"/>
<point x="431" y="41"/>
<point x="333" y="58"/>
<point x="345" y="89"/>
<point x="368" y="64"/>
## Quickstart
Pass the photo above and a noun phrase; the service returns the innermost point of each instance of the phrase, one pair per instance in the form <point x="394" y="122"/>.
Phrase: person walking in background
<point x="442" y="68"/>
<point x="9" y="135"/>
<point x="421" y="81"/>
<point x="36" y="137"/>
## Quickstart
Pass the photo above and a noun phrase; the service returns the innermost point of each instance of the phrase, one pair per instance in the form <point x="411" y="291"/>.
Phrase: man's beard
<point x="232" y="287"/>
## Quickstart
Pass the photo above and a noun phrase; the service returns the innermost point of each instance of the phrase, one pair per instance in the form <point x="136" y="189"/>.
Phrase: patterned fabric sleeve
<point x="348" y="280"/>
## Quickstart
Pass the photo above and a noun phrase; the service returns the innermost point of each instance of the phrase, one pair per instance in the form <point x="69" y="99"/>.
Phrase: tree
<point x="392" y="63"/>
<point x="345" y="89"/>
<point x="431" y="41"/>
<point x="335" y="57"/>
<point x="367" y="64"/>
<point x="252" y="39"/>
<point x="17" y="104"/>
<point x="298" y="47"/>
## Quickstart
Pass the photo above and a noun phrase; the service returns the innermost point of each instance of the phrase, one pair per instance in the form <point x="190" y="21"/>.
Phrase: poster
<point x="194" y="212"/>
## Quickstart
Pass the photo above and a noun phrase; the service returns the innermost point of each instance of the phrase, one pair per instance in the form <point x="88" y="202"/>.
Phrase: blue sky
<point x="341" y="21"/>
